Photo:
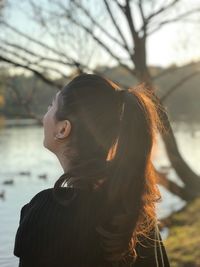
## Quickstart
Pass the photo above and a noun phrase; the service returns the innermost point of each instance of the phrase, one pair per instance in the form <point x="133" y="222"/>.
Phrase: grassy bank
<point x="183" y="243"/>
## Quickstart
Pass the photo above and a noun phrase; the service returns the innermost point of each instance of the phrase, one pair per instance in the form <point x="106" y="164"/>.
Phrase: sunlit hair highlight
<point x="120" y="128"/>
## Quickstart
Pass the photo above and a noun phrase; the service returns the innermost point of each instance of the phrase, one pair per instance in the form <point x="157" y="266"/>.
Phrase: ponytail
<point x="111" y="141"/>
<point x="131" y="189"/>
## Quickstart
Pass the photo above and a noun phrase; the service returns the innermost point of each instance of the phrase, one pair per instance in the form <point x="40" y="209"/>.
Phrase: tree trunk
<point x="190" y="179"/>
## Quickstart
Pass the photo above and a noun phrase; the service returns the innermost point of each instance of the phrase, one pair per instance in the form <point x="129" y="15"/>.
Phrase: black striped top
<point x="54" y="235"/>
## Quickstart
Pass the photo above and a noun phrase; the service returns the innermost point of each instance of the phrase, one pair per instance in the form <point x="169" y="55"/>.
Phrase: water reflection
<point x="29" y="168"/>
<point x="23" y="159"/>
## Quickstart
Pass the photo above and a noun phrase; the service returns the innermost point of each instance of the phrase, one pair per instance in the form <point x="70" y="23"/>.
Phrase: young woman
<point x="101" y="211"/>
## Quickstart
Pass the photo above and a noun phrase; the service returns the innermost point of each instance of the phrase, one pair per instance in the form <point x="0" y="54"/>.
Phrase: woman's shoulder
<point x="60" y="199"/>
<point x="41" y="194"/>
<point x="49" y="193"/>
<point x="38" y="196"/>
<point x="43" y="199"/>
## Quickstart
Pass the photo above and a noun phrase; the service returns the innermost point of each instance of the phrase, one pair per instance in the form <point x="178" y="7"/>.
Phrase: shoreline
<point x="7" y="123"/>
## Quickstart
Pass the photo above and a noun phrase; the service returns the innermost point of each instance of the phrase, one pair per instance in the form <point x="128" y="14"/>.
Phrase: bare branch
<point x="178" y="84"/>
<point x="140" y="5"/>
<point x="36" y="72"/>
<point x="184" y="193"/>
<point x="120" y="5"/>
<point x="40" y="57"/>
<point x="170" y="185"/>
<point x="127" y="12"/>
<point x="164" y="72"/>
<point x="116" y="26"/>
<point x="162" y="9"/>
<point x="178" y="18"/>
<point x="33" y="63"/>
<point x="99" y="41"/>
<point x="94" y="21"/>
<point x="43" y="45"/>
<point x="145" y="23"/>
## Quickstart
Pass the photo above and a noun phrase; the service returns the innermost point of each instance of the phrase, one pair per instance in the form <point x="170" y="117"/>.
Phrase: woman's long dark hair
<point x="111" y="141"/>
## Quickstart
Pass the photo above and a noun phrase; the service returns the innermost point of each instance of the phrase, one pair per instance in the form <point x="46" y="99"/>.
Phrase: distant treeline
<point x="23" y="94"/>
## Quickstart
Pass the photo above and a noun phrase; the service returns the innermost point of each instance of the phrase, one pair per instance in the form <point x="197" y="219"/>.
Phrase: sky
<point x="173" y="44"/>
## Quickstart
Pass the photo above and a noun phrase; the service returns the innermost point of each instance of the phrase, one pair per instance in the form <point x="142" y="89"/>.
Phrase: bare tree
<point x="122" y="32"/>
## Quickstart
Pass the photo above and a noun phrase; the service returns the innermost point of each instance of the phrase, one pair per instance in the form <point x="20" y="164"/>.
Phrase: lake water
<point x="21" y="150"/>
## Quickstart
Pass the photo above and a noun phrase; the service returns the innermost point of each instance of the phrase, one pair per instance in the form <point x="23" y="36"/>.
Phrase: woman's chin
<point x="48" y="146"/>
<point x="44" y="143"/>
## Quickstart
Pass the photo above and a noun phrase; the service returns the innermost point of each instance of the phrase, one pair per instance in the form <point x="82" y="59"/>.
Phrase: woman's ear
<point x="64" y="129"/>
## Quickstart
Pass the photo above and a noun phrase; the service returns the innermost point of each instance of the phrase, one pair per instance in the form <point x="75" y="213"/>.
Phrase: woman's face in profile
<point x="50" y="125"/>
